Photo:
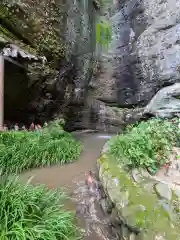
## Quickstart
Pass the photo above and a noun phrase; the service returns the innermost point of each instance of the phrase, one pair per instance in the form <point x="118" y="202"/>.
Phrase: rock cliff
<point x="63" y="32"/>
<point x="143" y="57"/>
<point x="96" y="88"/>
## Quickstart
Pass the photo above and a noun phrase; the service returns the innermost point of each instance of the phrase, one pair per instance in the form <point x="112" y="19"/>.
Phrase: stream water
<point x="84" y="200"/>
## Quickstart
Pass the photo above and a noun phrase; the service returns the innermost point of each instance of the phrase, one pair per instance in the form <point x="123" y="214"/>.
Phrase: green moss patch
<point x="138" y="207"/>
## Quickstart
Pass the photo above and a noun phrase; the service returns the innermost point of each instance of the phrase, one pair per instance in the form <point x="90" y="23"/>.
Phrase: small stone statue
<point x="39" y="126"/>
<point x="32" y="127"/>
<point x="16" y="127"/>
<point x="24" y="128"/>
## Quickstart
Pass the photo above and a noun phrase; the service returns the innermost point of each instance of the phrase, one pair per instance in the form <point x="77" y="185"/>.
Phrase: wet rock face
<point x="95" y="114"/>
<point x="63" y="32"/>
<point x="142" y="58"/>
<point x="144" y="53"/>
<point x="165" y="103"/>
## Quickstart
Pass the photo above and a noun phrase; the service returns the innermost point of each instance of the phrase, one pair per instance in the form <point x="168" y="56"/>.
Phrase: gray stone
<point x="140" y="175"/>
<point x="104" y="205"/>
<point x="177" y="191"/>
<point x="143" y="57"/>
<point x="132" y="237"/>
<point x="136" y="175"/>
<point x="163" y="191"/>
<point x="166" y="103"/>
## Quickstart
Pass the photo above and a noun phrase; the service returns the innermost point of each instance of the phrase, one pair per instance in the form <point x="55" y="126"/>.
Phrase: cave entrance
<point x="15" y="94"/>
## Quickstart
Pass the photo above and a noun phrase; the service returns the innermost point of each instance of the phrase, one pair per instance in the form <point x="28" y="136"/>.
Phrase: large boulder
<point x="95" y="114"/>
<point x="166" y="103"/>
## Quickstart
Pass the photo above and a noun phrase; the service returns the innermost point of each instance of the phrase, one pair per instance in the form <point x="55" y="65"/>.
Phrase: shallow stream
<point x="85" y="200"/>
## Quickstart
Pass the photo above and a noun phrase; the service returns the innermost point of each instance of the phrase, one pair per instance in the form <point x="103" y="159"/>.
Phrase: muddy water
<point x="84" y="200"/>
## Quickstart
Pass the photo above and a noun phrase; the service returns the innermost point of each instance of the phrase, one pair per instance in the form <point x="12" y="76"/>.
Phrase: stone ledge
<point x="146" y="208"/>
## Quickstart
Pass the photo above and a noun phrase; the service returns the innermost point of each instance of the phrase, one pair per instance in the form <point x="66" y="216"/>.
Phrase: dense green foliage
<point x="21" y="150"/>
<point x="147" y="144"/>
<point x="29" y="212"/>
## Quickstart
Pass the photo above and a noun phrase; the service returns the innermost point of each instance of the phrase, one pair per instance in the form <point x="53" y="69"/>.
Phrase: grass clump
<point x="147" y="144"/>
<point x="20" y="150"/>
<point x="29" y="212"/>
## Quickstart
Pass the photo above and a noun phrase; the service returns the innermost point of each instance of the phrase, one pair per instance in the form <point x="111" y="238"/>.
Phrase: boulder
<point x="166" y="103"/>
<point x="95" y="114"/>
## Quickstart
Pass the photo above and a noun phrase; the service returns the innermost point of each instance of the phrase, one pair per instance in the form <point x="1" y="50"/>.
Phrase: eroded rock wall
<point x="95" y="111"/>
<point x="142" y="58"/>
<point x="37" y="27"/>
<point x="144" y="53"/>
<point x="63" y="32"/>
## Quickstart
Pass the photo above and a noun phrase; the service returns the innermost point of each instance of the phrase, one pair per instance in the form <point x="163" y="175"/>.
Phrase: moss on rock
<point x="38" y="27"/>
<point x="138" y="207"/>
<point x="38" y="24"/>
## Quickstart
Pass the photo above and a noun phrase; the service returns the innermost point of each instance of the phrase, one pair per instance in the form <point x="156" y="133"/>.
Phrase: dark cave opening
<point x="17" y="95"/>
